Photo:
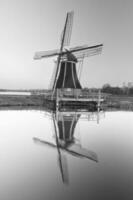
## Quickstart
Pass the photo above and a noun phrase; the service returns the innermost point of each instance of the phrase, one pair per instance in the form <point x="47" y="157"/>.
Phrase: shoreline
<point x="113" y="101"/>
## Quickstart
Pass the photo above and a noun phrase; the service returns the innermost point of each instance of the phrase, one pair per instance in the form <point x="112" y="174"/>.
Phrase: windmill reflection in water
<point x="64" y="128"/>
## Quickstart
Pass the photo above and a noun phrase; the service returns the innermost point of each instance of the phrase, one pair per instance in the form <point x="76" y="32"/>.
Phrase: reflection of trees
<point x="64" y="128"/>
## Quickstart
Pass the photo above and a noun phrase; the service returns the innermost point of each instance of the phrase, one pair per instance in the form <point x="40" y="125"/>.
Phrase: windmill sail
<point x="89" y="51"/>
<point x="46" y="54"/>
<point x="68" y="30"/>
<point x="78" y="51"/>
<point x="84" y="51"/>
<point x="50" y="53"/>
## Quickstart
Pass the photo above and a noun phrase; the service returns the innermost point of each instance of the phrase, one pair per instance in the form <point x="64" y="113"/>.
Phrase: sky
<point x="28" y="26"/>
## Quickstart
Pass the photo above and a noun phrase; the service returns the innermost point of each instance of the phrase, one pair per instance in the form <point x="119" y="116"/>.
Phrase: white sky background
<point x="27" y="26"/>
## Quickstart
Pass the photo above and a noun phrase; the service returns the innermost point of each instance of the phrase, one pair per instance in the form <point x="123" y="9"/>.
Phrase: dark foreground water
<point x="32" y="168"/>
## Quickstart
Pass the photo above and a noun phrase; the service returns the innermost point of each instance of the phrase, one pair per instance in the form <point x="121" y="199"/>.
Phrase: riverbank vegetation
<point x="21" y="100"/>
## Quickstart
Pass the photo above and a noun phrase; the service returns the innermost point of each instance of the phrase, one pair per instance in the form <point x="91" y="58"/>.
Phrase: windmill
<point x="64" y="128"/>
<point x="65" y="75"/>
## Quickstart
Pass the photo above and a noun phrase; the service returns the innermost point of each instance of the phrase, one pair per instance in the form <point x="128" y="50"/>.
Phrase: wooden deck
<point x="74" y="95"/>
<point x="81" y="99"/>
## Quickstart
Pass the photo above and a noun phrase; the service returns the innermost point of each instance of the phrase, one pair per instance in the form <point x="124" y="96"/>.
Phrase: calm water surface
<point x="14" y="93"/>
<point x="32" y="168"/>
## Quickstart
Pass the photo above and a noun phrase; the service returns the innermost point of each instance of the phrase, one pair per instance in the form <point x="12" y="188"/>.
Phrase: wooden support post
<point x="57" y="100"/>
<point x="99" y="100"/>
<point x="76" y="91"/>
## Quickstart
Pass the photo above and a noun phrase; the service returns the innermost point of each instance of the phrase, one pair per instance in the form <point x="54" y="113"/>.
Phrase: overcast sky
<point x="28" y="26"/>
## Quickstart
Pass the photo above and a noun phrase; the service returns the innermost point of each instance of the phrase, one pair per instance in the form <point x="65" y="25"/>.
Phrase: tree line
<point x="107" y="88"/>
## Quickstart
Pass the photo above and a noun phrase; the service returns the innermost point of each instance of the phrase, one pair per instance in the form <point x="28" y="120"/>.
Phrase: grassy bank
<point x="117" y="101"/>
<point x="21" y="100"/>
<point x="112" y="101"/>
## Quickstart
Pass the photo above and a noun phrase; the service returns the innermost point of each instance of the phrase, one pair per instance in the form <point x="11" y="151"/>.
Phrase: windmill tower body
<point x="67" y="77"/>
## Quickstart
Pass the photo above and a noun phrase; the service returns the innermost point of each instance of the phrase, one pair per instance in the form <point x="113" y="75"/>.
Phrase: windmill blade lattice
<point x="84" y="51"/>
<point x="90" y="51"/>
<point x="46" y="54"/>
<point x="68" y="30"/>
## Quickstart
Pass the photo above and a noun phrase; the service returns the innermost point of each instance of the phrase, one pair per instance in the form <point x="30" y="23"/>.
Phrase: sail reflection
<point x="64" y="129"/>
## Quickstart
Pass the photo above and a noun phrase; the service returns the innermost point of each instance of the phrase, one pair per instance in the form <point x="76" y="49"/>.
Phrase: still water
<point x="15" y="93"/>
<point x="86" y="156"/>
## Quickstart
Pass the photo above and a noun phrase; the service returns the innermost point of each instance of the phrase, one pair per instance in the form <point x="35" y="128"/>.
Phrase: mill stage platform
<point x="73" y="98"/>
